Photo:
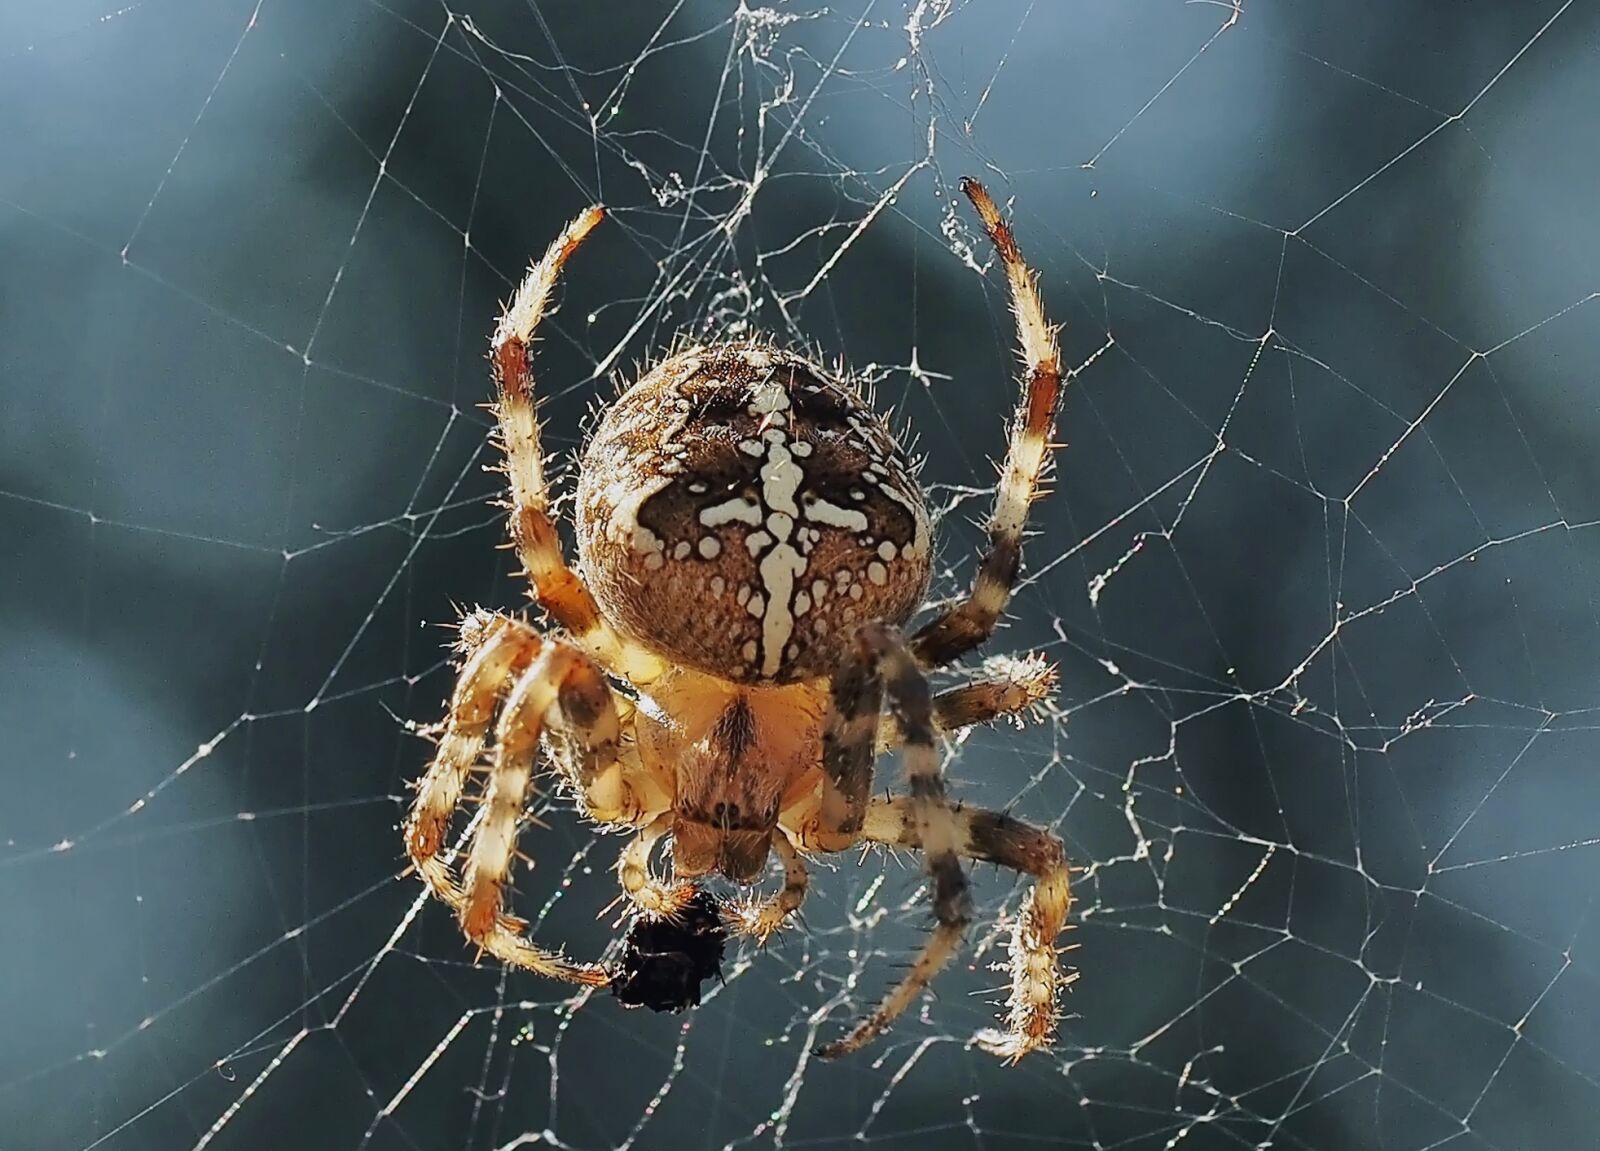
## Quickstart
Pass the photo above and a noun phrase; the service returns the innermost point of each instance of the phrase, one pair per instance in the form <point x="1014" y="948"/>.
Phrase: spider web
<point x="1318" y="570"/>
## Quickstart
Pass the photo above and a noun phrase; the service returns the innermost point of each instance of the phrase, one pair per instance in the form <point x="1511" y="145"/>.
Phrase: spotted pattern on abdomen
<point x="742" y="512"/>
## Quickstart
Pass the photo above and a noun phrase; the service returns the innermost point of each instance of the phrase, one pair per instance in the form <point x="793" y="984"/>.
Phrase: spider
<point x="752" y="541"/>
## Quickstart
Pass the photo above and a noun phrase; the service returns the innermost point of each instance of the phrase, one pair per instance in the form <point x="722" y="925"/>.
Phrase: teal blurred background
<point x="1319" y="567"/>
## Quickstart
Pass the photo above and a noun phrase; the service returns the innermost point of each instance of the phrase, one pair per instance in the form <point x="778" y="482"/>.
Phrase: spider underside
<point x="752" y="541"/>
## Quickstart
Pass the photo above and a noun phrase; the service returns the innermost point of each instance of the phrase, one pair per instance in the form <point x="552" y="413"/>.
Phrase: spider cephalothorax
<point x="751" y="541"/>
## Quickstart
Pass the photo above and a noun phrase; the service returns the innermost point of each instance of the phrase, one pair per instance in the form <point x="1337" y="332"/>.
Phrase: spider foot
<point x="1034" y="1006"/>
<point x="1008" y="1046"/>
<point x="1030" y="680"/>
<point x="474" y="630"/>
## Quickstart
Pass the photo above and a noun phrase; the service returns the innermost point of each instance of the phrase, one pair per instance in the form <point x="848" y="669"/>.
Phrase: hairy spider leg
<point x="1017" y="687"/>
<point x="849" y="746"/>
<point x="881" y="655"/>
<point x="480" y="907"/>
<point x="501" y="649"/>
<point x="1033" y="1005"/>
<point x="557" y="692"/>
<point x="971" y="621"/>
<point x="557" y="588"/>
<point x="856" y="732"/>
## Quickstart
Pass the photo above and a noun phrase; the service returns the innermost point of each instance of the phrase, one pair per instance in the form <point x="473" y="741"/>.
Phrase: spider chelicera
<point x="752" y="540"/>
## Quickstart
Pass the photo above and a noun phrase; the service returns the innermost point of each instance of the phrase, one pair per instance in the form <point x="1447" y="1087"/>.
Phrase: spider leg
<point x="585" y="737"/>
<point x="499" y="649"/>
<point x="559" y="589"/>
<point x="480" y="905"/>
<point x="761" y="919"/>
<point x="881" y="649"/>
<point x="966" y="624"/>
<point x="1033" y="1006"/>
<point x="849" y="745"/>
<point x="1018" y="687"/>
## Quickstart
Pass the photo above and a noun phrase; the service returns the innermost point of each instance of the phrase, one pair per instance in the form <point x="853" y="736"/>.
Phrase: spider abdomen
<point x="741" y="512"/>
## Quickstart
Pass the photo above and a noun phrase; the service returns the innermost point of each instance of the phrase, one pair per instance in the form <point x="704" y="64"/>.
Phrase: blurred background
<point x="1318" y="569"/>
